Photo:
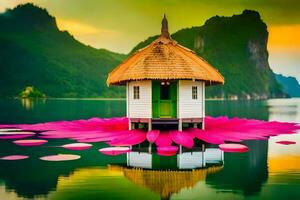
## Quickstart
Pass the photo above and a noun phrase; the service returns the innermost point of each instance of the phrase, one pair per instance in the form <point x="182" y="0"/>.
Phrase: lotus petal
<point x="167" y="150"/>
<point x="113" y="151"/>
<point x="152" y="135"/>
<point x="232" y="147"/>
<point x="182" y="138"/>
<point x="164" y="139"/>
<point x="9" y="129"/>
<point x="285" y="142"/>
<point x="77" y="146"/>
<point x="16" y="133"/>
<point x="132" y="137"/>
<point x="15" y="157"/>
<point x="15" y="136"/>
<point x="30" y="142"/>
<point x="114" y="131"/>
<point x="60" y="157"/>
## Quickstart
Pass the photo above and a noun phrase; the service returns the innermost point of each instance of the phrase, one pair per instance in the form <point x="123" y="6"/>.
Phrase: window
<point x="165" y="91"/>
<point x="194" y="92"/>
<point x="136" y="92"/>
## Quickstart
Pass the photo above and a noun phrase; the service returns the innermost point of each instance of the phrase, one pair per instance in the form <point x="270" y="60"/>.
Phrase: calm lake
<point x="267" y="171"/>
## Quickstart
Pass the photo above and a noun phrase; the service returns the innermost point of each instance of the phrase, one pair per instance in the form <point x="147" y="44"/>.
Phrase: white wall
<point x="187" y="106"/>
<point x="214" y="155"/>
<point x="139" y="159"/>
<point x="139" y="108"/>
<point x="191" y="160"/>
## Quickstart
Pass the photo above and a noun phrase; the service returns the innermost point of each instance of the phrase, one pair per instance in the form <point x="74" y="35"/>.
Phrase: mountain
<point x="35" y="53"/>
<point x="237" y="47"/>
<point x="289" y="84"/>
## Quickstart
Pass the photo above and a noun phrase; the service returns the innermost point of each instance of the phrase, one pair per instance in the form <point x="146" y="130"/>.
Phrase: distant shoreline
<point x="84" y="98"/>
<point x="124" y="99"/>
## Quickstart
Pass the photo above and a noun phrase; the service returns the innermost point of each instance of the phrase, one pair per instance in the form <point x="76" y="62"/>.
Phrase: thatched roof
<point x="164" y="59"/>
<point x="166" y="183"/>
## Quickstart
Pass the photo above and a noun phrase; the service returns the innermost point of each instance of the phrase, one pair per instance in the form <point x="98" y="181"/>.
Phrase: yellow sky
<point x="284" y="36"/>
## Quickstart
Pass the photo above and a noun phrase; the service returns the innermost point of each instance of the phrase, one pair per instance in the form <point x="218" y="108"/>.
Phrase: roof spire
<point x="164" y="27"/>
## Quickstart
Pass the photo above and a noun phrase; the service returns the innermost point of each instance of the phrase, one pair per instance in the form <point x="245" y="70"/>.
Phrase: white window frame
<point x="136" y="92"/>
<point x="194" y="92"/>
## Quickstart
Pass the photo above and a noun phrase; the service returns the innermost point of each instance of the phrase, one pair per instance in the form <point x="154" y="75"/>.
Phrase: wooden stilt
<point x="180" y="125"/>
<point x="129" y="124"/>
<point x="203" y="156"/>
<point x="195" y="125"/>
<point x="128" y="159"/>
<point x="150" y="148"/>
<point x="150" y="125"/>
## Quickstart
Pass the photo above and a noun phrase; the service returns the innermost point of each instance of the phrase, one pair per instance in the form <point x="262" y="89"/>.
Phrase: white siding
<point x="139" y="159"/>
<point x="142" y="107"/>
<point x="191" y="160"/>
<point x="213" y="155"/>
<point x="187" y="106"/>
<point x="127" y="101"/>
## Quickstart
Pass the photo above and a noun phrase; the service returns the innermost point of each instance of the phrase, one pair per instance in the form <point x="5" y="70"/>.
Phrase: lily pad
<point x="77" y="146"/>
<point x="60" y="157"/>
<point x="14" y="157"/>
<point x="113" y="151"/>
<point x="30" y="142"/>
<point x="233" y="147"/>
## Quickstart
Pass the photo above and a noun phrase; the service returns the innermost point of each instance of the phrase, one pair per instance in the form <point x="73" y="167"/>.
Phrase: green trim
<point x="155" y="99"/>
<point x="166" y="108"/>
<point x="164" y="162"/>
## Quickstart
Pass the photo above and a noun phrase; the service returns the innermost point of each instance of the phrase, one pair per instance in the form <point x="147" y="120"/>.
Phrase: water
<point x="267" y="171"/>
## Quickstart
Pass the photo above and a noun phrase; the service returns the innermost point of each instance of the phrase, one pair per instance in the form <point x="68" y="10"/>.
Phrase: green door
<point x="164" y="99"/>
<point x="164" y="162"/>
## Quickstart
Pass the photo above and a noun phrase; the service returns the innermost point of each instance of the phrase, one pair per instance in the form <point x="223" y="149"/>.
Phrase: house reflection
<point x="236" y="172"/>
<point x="191" y="159"/>
<point x="166" y="182"/>
<point x="166" y="175"/>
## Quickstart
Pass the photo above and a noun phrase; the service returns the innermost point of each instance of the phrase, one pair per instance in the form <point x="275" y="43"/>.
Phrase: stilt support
<point x="150" y="125"/>
<point x="195" y="125"/>
<point x="180" y="125"/>
<point x="129" y="124"/>
<point x="150" y="148"/>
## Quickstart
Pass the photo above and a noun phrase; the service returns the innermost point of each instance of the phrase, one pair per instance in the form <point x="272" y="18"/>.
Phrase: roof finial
<point x="164" y="27"/>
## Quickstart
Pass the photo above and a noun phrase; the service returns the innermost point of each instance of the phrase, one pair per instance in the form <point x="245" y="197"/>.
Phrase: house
<point x="165" y="84"/>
